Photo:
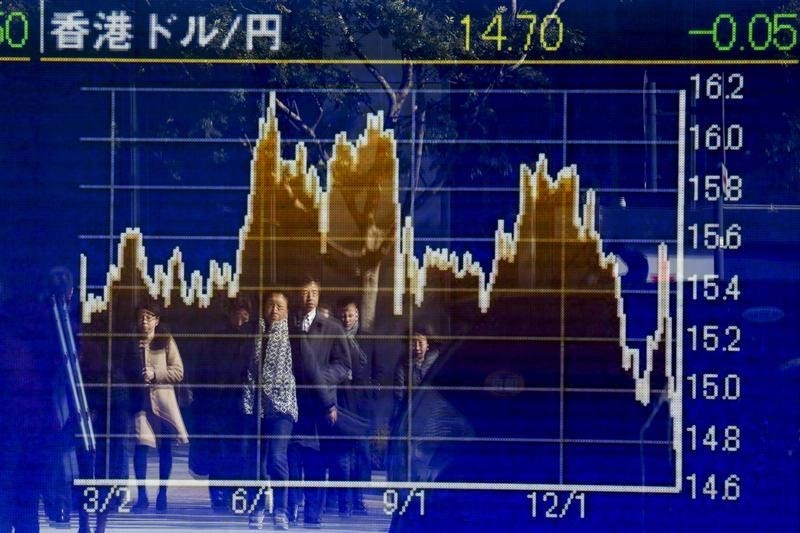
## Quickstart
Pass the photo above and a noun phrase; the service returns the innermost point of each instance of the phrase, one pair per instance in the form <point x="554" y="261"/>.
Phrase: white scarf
<point x="276" y="380"/>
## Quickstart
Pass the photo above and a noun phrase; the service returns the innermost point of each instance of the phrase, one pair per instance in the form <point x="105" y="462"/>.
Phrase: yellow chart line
<point x="486" y="62"/>
<point x="14" y="59"/>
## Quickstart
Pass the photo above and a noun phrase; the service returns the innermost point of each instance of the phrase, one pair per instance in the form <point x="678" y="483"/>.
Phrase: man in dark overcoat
<point x="321" y="361"/>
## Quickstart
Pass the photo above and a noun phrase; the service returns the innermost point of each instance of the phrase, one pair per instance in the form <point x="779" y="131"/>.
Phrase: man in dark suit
<point x="218" y="404"/>
<point x="360" y="398"/>
<point x="321" y="361"/>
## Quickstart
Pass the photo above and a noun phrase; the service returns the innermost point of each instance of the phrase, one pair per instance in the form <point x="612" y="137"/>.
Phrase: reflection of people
<point x="59" y="447"/>
<point x="218" y="406"/>
<point x="321" y="362"/>
<point x="409" y="373"/>
<point x="360" y="399"/>
<point x="157" y="363"/>
<point x="109" y="406"/>
<point x="270" y="372"/>
<point x="24" y="392"/>
<point x="421" y="358"/>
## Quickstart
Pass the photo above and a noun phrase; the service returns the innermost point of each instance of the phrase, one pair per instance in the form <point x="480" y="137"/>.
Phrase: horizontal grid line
<point x="167" y="187"/>
<point x="599" y="292"/>
<point x="509" y="440"/>
<point x="396" y="337"/>
<point x="537" y="240"/>
<point x="373" y="90"/>
<point x="413" y="485"/>
<point x="247" y="141"/>
<point x="434" y="388"/>
<point x="182" y="237"/>
<point x="358" y="239"/>
<point x="402" y="189"/>
<point x="760" y="207"/>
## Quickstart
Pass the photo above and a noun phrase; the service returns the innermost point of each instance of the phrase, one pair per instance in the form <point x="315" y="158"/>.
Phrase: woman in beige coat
<point x="156" y="416"/>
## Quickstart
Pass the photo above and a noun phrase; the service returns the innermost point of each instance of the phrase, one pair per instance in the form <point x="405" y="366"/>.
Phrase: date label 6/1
<point x="555" y="505"/>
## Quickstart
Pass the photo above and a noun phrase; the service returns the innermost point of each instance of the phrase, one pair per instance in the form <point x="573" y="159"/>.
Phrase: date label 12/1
<point x="555" y="505"/>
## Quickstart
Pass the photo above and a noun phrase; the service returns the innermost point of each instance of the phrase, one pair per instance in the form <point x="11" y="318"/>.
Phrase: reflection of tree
<point x="424" y="30"/>
<point x="782" y="147"/>
<point x="408" y="31"/>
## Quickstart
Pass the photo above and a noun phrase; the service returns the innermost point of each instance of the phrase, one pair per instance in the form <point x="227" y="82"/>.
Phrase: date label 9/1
<point x="555" y="505"/>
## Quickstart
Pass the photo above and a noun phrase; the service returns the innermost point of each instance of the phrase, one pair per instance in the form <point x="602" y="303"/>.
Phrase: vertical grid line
<point x="258" y="404"/>
<point x="112" y="176"/>
<point x="562" y="303"/>
<point x="564" y="133"/>
<point x="723" y="172"/>
<point x="134" y="157"/>
<point x="409" y="341"/>
<point x="562" y="332"/>
<point x="677" y="420"/>
<point x="563" y="286"/>
<point x="273" y="265"/>
<point x="110" y="326"/>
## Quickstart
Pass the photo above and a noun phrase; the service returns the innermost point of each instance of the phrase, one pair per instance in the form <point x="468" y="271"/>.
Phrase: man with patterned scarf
<point x="270" y="373"/>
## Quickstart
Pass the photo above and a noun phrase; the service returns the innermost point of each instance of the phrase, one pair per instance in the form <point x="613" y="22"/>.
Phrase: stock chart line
<point x="552" y="249"/>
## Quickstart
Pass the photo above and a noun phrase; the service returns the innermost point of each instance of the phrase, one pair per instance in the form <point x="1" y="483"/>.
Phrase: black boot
<point x="161" y="500"/>
<point x="164" y="471"/>
<point x="142" y="503"/>
<point x="140" y="469"/>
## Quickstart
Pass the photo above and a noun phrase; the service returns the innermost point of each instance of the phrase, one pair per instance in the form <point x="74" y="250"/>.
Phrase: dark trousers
<point x="360" y="468"/>
<point x="227" y="457"/>
<point x="225" y="460"/>
<point x="338" y="454"/>
<point x="271" y="448"/>
<point x="164" y="464"/>
<point x="349" y="461"/>
<point x="309" y="464"/>
<point x="295" y="459"/>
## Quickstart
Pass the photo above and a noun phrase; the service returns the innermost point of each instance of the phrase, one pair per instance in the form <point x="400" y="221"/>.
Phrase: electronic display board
<point x="400" y="265"/>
